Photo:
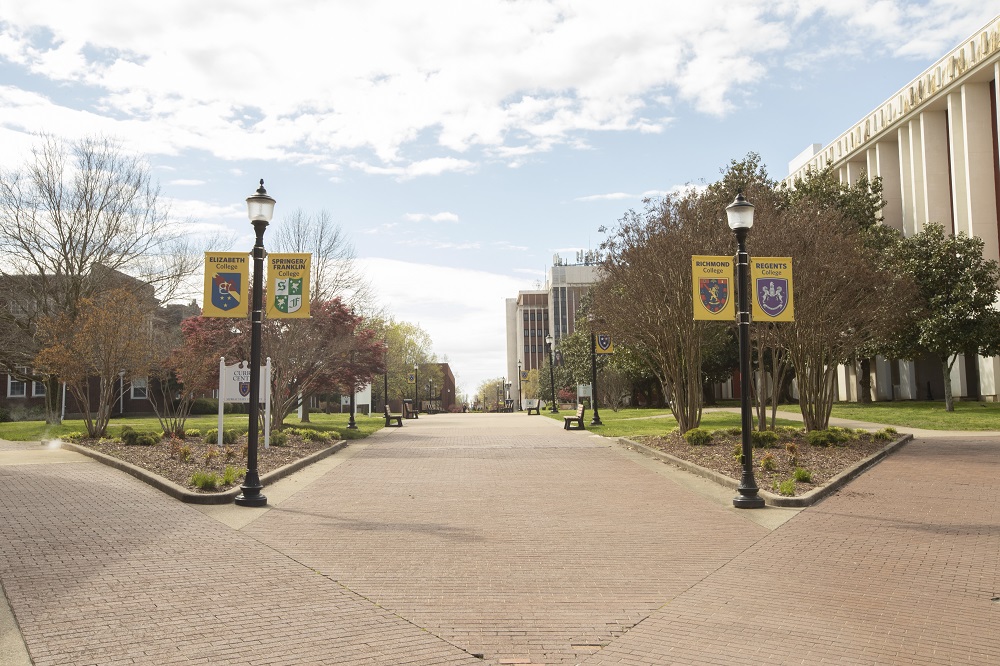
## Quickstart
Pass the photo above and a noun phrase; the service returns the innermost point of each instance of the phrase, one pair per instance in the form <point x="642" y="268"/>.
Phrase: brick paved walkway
<point x="505" y="536"/>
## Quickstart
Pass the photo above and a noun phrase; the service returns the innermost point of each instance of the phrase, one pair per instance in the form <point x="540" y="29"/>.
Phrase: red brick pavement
<point x="507" y="536"/>
<point x="901" y="567"/>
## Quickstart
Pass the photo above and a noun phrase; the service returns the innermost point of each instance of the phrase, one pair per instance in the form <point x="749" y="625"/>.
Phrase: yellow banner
<point x="227" y="284"/>
<point x="603" y="344"/>
<point x="771" y="283"/>
<point x="288" y="285"/>
<point x="714" y="288"/>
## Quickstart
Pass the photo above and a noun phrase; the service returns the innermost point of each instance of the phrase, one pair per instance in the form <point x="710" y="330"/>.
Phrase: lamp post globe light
<point x="740" y="214"/>
<point x="260" y="208"/>
<point x="552" y="376"/>
<point x="520" y="407"/>
<point x="596" y="421"/>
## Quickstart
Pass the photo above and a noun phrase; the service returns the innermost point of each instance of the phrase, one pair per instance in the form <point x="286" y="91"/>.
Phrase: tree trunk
<point x="865" y="380"/>
<point x="949" y="400"/>
<point x="53" y="400"/>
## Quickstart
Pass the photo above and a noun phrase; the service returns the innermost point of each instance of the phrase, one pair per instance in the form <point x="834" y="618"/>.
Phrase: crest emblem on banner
<point x="226" y="290"/>
<point x="604" y="344"/>
<point x="772" y="295"/>
<point x="244" y="389"/>
<point x="288" y="295"/>
<point x="714" y="293"/>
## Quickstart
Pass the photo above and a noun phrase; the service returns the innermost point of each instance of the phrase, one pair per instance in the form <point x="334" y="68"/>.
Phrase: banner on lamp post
<point x="603" y="344"/>
<point x="227" y="285"/>
<point x="288" y="285"/>
<point x="771" y="282"/>
<point x="712" y="284"/>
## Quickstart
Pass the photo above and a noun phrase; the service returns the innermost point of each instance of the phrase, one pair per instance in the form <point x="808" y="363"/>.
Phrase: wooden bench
<point x="578" y="419"/>
<point x="533" y="407"/>
<point x="409" y="412"/>
<point x="389" y="418"/>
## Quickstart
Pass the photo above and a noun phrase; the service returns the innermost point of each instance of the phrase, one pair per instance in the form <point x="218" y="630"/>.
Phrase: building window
<point x="139" y="388"/>
<point x="37" y="389"/>
<point x="15" y="387"/>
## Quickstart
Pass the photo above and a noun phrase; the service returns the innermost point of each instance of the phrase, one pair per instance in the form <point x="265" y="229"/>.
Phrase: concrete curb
<point x="185" y="495"/>
<point x="810" y="498"/>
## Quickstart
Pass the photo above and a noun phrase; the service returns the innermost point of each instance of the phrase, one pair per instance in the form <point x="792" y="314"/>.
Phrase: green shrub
<point x="733" y="432"/>
<point x="205" y="406"/>
<point x="205" y="480"/>
<point x="802" y="475"/>
<point x="786" y="488"/>
<point x="228" y="436"/>
<point x="787" y="431"/>
<point x="738" y="453"/>
<point x="232" y="475"/>
<point x="130" y="437"/>
<point x="884" y="435"/>
<point x="279" y="439"/>
<point x="767" y="462"/>
<point x="74" y="436"/>
<point x="211" y="453"/>
<point x="314" y="435"/>
<point x="229" y="453"/>
<point x="5" y="415"/>
<point x="698" y="437"/>
<point x="193" y="432"/>
<point x="184" y="453"/>
<point x="830" y="436"/>
<point x="763" y="439"/>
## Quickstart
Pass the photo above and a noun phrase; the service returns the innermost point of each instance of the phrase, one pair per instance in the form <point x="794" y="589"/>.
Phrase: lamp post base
<point x="251" y="495"/>
<point x="748" y="502"/>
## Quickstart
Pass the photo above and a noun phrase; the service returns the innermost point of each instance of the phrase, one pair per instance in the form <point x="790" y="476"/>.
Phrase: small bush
<point x="792" y="449"/>
<point x="787" y="431"/>
<point x="232" y="475"/>
<point x="132" y="438"/>
<point x="763" y="439"/>
<point x="211" y="453"/>
<point x="698" y="437"/>
<point x="734" y="432"/>
<point x="184" y="453"/>
<point x="802" y="475"/>
<point x="314" y="435"/>
<point x="767" y="462"/>
<point x="229" y="453"/>
<point x="228" y="436"/>
<point x="205" y="406"/>
<point x="883" y="435"/>
<point x="205" y="480"/>
<point x="738" y="453"/>
<point x="279" y="439"/>
<point x="193" y="432"/>
<point x="5" y="415"/>
<point x="74" y="436"/>
<point x="786" y="488"/>
<point x="830" y="436"/>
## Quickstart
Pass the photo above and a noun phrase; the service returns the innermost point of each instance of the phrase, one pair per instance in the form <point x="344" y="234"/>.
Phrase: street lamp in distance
<point x="596" y="420"/>
<point x="552" y="377"/>
<point x="260" y="209"/>
<point x="520" y="406"/>
<point x="740" y="215"/>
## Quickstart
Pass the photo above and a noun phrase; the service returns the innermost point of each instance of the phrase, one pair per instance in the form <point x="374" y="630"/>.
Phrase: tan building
<point x="934" y="144"/>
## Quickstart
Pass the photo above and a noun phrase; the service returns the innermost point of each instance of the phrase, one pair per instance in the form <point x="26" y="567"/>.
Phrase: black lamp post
<point x="520" y="408"/>
<point x="351" y="425"/>
<point x="416" y="389"/>
<point x="260" y="208"/>
<point x="740" y="214"/>
<point x="596" y="421"/>
<point x="552" y="375"/>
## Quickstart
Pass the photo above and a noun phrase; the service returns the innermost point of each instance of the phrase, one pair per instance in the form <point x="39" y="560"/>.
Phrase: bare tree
<point x="76" y="220"/>
<point x="335" y="272"/>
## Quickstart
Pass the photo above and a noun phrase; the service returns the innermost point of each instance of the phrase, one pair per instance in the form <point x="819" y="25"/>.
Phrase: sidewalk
<point x="503" y="539"/>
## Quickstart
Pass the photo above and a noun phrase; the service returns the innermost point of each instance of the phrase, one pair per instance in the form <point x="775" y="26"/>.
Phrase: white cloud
<point x="428" y="217"/>
<point x="186" y="182"/>
<point x="617" y="196"/>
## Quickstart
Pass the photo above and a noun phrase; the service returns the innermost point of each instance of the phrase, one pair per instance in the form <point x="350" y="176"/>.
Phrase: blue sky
<point x="459" y="144"/>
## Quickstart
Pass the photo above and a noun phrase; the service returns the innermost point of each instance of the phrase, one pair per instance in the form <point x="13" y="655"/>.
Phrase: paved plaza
<point x="502" y="539"/>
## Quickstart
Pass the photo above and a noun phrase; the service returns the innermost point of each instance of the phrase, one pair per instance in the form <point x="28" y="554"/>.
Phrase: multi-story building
<point x="534" y="314"/>
<point x="934" y="144"/>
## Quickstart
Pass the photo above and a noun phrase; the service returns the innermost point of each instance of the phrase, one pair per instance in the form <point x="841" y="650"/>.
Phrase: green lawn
<point x="928" y="415"/>
<point x="36" y="430"/>
<point x="635" y="422"/>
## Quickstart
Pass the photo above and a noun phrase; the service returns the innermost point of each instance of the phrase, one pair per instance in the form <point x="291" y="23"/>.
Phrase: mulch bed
<point x="166" y="458"/>
<point x="823" y="462"/>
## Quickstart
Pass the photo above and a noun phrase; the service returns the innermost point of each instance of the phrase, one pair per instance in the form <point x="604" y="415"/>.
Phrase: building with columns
<point x="934" y="145"/>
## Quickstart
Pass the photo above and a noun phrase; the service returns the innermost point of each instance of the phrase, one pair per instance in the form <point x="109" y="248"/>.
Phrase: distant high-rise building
<point x="537" y="313"/>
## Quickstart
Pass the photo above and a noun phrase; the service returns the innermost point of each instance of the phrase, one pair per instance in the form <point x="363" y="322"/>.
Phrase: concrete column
<point x="936" y="203"/>
<point x="906" y="180"/>
<point x="989" y="378"/>
<point x="907" y="381"/>
<point x="959" y="378"/>
<point x="957" y="157"/>
<point x="886" y="166"/>
<point x="882" y="380"/>
<point x="979" y="217"/>
<point x="917" y="175"/>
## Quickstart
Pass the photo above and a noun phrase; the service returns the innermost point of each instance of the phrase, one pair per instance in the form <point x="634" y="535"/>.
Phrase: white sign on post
<point x="234" y="386"/>
<point x="583" y="391"/>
